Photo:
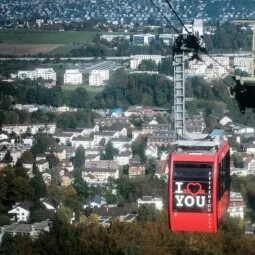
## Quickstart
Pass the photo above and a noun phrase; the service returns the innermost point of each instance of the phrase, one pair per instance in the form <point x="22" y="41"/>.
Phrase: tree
<point x="27" y="157"/>
<point x="79" y="98"/>
<point x="109" y="151"/>
<point x="81" y="188"/>
<point x="147" y="65"/>
<point x="64" y="214"/>
<point x="20" y="190"/>
<point x="7" y="157"/>
<point x="150" y="167"/>
<point x="53" y="160"/>
<point x="79" y="158"/>
<point x="238" y="160"/>
<point x="4" y="220"/>
<point x="37" y="183"/>
<point x="139" y="146"/>
<point x="42" y="142"/>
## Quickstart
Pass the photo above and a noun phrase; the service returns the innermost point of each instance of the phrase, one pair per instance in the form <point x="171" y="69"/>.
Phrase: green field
<point x="62" y="50"/>
<point x="45" y="37"/>
<point x="92" y="91"/>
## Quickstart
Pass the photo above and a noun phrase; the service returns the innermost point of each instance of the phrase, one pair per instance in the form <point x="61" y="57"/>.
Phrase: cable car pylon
<point x="244" y="90"/>
<point x="187" y="46"/>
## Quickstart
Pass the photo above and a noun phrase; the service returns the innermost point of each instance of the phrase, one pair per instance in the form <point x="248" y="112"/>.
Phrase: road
<point x="71" y="58"/>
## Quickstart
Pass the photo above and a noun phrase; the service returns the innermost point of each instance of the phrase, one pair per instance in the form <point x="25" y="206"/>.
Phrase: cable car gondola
<point x="199" y="185"/>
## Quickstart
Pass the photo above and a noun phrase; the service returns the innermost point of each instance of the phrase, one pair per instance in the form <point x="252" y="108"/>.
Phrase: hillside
<point x="140" y="11"/>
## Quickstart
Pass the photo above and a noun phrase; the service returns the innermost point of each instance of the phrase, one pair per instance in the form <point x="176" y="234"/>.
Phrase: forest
<point x="138" y="238"/>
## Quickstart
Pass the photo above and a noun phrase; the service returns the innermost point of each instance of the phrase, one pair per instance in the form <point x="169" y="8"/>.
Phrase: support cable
<point x="216" y="61"/>
<point x="163" y="15"/>
<point x="177" y="16"/>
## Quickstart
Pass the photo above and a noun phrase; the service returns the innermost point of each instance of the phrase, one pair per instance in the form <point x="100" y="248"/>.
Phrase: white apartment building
<point x="98" y="77"/>
<point x="136" y="60"/>
<point x="22" y="75"/>
<point x="143" y="39"/>
<point x="149" y="200"/>
<point x="110" y="37"/>
<point x="236" y="205"/>
<point x="73" y="76"/>
<point x="43" y="73"/>
<point x="209" y="68"/>
<point x="244" y="64"/>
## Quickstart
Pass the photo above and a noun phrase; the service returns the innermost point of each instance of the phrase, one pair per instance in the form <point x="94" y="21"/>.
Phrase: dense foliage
<point x="130" y="238"/>
<point x="125" y="89"/>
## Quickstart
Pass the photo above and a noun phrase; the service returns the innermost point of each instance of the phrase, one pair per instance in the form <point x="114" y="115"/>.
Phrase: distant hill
<point x="136" y="11"/>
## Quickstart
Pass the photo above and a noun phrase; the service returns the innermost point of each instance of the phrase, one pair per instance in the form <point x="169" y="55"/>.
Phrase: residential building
<point x="225" y="120"/>
<point x="123" y="158"/>
<point x="143" y="39"/>
<point x="152" y="151"/>
<point x="105" y="136"/>
<point x="85" y="141"/>
<point x="135" y="170"/>
<point x="73" y="76"/>
<point x="236" y="205"/>
<point x="244" y="64"/>
<point x="2" y="154"/>
<point x="66" y="165"/>
<point x="64" y="138"/>
<point x="209" y="68"/>
<point x="95" y="201"/>
<point x="149" y="200"/>
<point x="32" y="230"/>
<point x="98" y="77"/>
<point x="136" y="60"/>
<point x="42" y="165"/>
<point x="100" y="170"/>
<point x="163" y="138"/>
<point x="31" y="128"/>
<point x="152" y="128"/>
<point x="168" y="39"/>
<point x="58" y="151"/>
<point x="65" y="181"/>
<point x="119" y="142"/>
<point x="162" y="168"/>
<point x="46" y="178"/>
<point x="109" y="37"/>
<point x="249" y="228"/>
<point x="195" y="124"/>
<point x="26" y="75"/>
<point x="20" y="211"/>
<point x="103" y="122"/>
<point x="92" y="157"/>
<point x="43" y="73"/>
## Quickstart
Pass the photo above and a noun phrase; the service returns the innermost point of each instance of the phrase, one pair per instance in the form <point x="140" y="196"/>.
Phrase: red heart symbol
<point x="194" y="188"/>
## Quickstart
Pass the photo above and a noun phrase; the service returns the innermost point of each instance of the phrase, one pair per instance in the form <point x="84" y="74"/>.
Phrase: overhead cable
<point x="168" y="21"/>
<point x="177" y="16"/>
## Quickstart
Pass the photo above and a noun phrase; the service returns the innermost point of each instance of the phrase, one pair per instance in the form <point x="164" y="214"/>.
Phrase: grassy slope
<point x="92" y="91"/>
<point x="47" y="37"/>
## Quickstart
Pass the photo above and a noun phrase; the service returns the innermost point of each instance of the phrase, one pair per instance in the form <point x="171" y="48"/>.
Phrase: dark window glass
<point x="192" y="187"/>
<point x="224" y="175"/>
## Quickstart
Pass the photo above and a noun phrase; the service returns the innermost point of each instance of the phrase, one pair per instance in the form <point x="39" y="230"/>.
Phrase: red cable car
<point x="199" y="185"/>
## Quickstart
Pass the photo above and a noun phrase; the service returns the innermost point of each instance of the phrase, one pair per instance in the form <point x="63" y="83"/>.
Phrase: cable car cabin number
<point x="192" y="187"/>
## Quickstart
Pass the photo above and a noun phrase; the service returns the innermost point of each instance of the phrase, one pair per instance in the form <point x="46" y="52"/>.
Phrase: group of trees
<point x="164" y="67"/>
<point x="124" y="89"/>
<point x="120" y="238"/>
<point x="229" y="37"/>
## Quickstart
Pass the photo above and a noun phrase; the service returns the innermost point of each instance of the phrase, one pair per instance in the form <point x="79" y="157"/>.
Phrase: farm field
<point x="18" y="42"/>
<point x="45" y="37"/>
<point x="25" y="49"/>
